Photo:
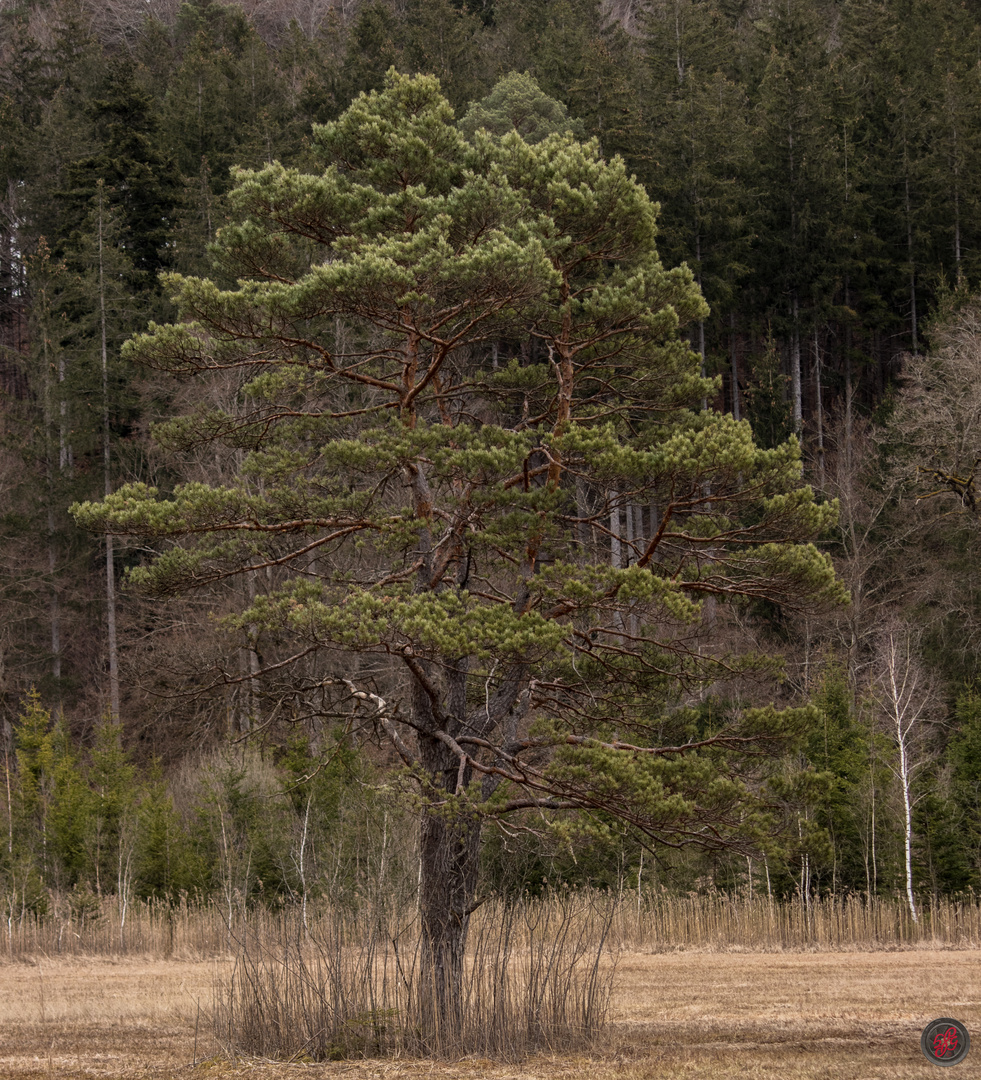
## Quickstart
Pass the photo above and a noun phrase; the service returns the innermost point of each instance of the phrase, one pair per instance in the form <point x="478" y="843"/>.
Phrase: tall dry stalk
<point x="537" y="976"/>
<point x="652" y="921"/>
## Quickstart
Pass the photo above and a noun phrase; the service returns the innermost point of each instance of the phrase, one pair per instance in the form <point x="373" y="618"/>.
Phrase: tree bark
<point x="819" y="411"/>
<point x="735" y="366"/>
<point x="795" y="379"/>
<point x="449" y="850"/>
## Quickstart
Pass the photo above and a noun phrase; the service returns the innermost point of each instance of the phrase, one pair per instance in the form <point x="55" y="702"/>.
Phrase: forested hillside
<point x="817" y="166"/>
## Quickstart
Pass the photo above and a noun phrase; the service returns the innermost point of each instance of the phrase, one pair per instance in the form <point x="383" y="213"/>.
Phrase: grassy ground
<point x="826" y="1015"/>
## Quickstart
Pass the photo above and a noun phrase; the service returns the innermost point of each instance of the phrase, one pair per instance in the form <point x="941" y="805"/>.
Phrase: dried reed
<point x="659" y="921"/>
<point x="653" y="922"/>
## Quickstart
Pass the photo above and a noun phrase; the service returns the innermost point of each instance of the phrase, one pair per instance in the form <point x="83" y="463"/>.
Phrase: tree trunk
<point x="735" y="366"/>
<point x="583" y="530"/>
<point x="795" y="379"/>
<point x="908" y="206"/>
<point x="54" y="604"/>
<point x="616" y="559"/>
<point x="107" y="479"/>
<point x="849" y="391"/>
<point x="819" y="411"/>
<point x="449" y="851"/>
<point x="904" y="778"/>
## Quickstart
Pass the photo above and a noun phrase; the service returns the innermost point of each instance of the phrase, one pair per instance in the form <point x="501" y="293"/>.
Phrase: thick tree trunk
<point x="449" y="853"/>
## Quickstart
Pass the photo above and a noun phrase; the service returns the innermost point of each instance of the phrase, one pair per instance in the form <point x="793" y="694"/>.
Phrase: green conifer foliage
<point x="441" y="39"/>
<point x="52" y="799"/>
<point x="794" y="166"/>
<point x="964" y="758"/>
<point x="111" y="826"/>
<point x="518" y="103"/>
<point x="521" y="550"/>
<point x="373" y="46"/>
<point x="34" y="754"/>
<point x="127" y="160"/>
<point x="224" y="104"/>
<point x="68" y="813"/>
<point x="838" y="748"/>
<point x="167" y="863"/>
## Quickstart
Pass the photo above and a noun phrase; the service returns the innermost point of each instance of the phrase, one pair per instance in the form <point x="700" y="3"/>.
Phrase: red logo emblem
<point x="945" y="1041"/>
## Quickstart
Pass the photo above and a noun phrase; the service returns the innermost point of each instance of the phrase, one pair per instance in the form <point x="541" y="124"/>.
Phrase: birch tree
<point x="903" y="698"/>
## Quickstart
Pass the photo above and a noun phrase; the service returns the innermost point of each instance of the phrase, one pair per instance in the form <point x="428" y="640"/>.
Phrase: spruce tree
<point x="791" y="151"/>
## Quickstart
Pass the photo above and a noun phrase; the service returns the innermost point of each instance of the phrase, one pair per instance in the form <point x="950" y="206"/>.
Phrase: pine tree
<point x="455" y="524"/>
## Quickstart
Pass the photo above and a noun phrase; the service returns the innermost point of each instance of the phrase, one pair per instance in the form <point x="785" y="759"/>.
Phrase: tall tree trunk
<point x="54" y="602"/>
<point x="849" y="392"/>
<point x="449" y="842"/>
<point x="616" y="551"/>
<point x="616" y="558"/>
<point x="908" y="206"/>
<point x="735" y="368"/>
<point x="249" y="714"/>
<point x="904" y="780"/>
<point x="795" y="379"/>
<point x="582" y="528"/>
<point x="819" y="410"/>
<point x="107" y="478"/>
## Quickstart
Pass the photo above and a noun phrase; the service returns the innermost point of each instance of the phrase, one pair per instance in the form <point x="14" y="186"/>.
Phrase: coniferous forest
<point x="436" y="522"/>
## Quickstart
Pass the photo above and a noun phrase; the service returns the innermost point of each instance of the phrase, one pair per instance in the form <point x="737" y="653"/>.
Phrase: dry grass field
<point x="691" y="1014"/>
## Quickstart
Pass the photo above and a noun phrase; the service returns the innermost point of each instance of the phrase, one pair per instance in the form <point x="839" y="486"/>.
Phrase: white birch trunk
<point x="903" y="698"/>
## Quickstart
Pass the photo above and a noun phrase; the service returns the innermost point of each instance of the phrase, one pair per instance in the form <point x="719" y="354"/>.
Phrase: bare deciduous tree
<point x="902" y="694"/>
<point x="937" y="421"/>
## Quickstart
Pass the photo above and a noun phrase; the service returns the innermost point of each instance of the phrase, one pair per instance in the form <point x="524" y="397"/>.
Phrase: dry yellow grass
<point x="101" y="1017"/>
<point x="681" y="1015"/>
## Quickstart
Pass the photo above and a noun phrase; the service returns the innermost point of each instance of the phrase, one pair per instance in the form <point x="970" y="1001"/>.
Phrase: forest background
<point x="818" y="166"/>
